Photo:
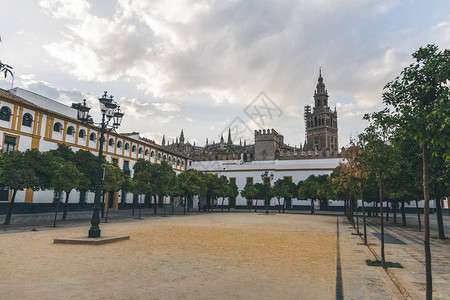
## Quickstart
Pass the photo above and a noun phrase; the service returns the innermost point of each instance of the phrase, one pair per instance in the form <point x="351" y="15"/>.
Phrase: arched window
<point x="70" y="130"/>
<point x="170" y="158"/>
<point x="178" y="162"/>
<point x="27" y="119"/>
<point x="5" y="113"/>
<point x="140" y="150"/>
<point x="133" y="149"/>
<point x="92" y="137"/>
<point x="127" y="146"/>
<point x="323" y="121"/>
<point x="315" y="121"/>
<point x="57" y="127"/>
<point x="174" y="160"/>
<point x="119" y="144"/>
<point x="82" y="133"/>
<point x="165" y="157"/>
<point x="111" y="142"/>
<point x="146" y="152"/>
<point x="190" y="163"/>
<point x="182" y="163"/>
<point x="159" y="156"/>
<point x="152" y="154"/>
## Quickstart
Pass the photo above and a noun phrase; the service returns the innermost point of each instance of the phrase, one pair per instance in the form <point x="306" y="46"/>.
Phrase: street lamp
<point x="263" y="178"/>
<point x="110" y="110"/>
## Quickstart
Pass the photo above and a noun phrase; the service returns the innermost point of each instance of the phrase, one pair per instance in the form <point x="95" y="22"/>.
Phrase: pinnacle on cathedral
<point x="229" y="142"/>
<point x="222" y="141"/>
<point x="163" y="143"/>
<point x="181" y="137"/>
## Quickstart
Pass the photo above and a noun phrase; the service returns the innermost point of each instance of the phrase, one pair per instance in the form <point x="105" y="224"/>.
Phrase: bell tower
<point x="321" y="123"/>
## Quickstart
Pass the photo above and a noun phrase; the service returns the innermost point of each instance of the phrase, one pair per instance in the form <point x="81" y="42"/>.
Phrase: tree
<point x="113" y="181"/>
<point x="18" y="173"/>
<point x="5" y="69"/>
<point x="249" y="193"/>
<point x="65" y="177"/>
<point x="417" y="104"/>
<point x="190" y="183"/>
<point x="142" y="180"/>
<point x="282" y="188"/>
<point x="378" y="162"/>
<point x="261" y="190"/>
<point x="308" y="189"/>
<point x="232" y="192"/>
<point x="87" y="163"/>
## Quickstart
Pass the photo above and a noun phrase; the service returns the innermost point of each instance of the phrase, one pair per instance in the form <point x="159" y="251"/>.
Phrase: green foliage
<point x="86" y="163"/>
<point x="249" y="192"/>
<point x="418" y="101"/>
<point x="191" y="183"/>
<point x="65" y="175"/>
<point x="18" y="170"/>
<point x="114" y="178"/>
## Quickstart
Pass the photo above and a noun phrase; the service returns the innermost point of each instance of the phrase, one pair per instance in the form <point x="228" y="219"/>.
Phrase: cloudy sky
<point x="205" y="66"/>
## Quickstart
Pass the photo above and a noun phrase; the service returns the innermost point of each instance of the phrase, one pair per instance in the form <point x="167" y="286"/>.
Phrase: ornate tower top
<point x="321" y="93"/>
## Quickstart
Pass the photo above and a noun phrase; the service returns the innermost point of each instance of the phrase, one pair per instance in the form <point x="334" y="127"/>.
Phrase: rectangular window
<point x="267" y="180"/>
<point x="126" y="167"/>
<point x="115" y="161"/>
<point x="10" y="143"/>
<point x="249" y="180"/>
<point x="288" y="177"/>
<point x="4" y="193"/>
<point x="232" y="180"/>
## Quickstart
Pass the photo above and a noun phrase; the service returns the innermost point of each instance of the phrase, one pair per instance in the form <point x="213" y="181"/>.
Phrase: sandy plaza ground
<point x="209" y="256"/>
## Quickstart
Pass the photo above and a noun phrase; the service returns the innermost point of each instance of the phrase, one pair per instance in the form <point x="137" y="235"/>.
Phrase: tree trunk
<point x="380" y="182"/>
<point x="66" y="205"/>
<point x="140" y="206"/>
<point x="403" y="214"/>
<point x="284" y="204"/>
<point x="376" y="209"/>
<point x="394" y="211"/>
<point x="279" y="205"/>
<point x="155" y="209"/>
<point x="312" y="206"/>
<point x="418" y="215"/>
<point x="361" y="195"/>
<point x="256" y="205"/>
<point x="56" y="210"/>
<point x="223" y="199"/>
<point x="10" y="208"/>
<point x="357" y="216"/>
<point x="133" y="205"/>
<point x="426" y="223"/>
<point x="387" y="211"/>
<point x="439" y="219"/>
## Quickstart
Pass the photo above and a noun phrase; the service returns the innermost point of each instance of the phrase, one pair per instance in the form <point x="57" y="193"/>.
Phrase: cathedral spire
<point x="163" y="143"/>
<point x="182" y="137"/>
<point x="222" y="141"/>
<point x="229" y="142"/>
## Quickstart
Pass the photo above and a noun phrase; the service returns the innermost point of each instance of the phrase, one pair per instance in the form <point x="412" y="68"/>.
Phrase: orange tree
<point x="418" y="106"/>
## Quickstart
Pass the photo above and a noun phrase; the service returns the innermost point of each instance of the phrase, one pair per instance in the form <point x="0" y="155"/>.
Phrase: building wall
<point x="42" y="136"/>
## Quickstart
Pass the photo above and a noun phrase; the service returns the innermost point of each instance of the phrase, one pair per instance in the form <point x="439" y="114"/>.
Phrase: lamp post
<point x="110" y="111"/>
<point x="267" y="185"/>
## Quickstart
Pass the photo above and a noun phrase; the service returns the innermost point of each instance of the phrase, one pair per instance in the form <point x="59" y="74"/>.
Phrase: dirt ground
<point x="208" y="256"/>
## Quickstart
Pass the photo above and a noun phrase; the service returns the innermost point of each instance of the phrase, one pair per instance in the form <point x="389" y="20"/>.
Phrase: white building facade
<point x="31" y="121"/>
